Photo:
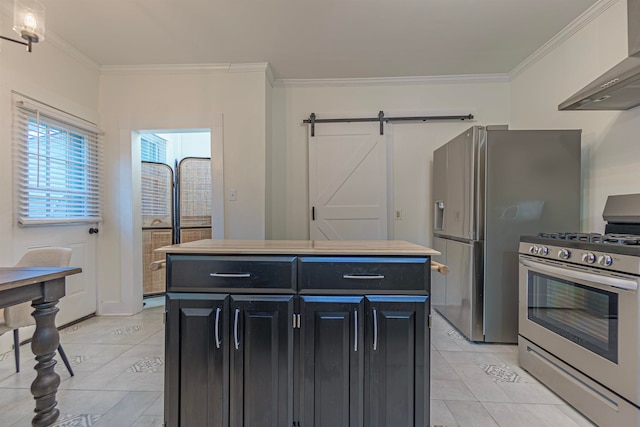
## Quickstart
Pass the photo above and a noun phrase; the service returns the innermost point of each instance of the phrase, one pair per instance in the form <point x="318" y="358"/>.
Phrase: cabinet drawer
<point x="216" y="273"/>
<point x="370" y="274"/>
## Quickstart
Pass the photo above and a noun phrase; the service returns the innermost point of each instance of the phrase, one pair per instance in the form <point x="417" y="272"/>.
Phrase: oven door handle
<point x="628" y="284"/>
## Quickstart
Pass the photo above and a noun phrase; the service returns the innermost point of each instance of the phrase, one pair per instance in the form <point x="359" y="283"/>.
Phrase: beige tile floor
<point x="482" y="385"/>
<point x="119" y="365"/>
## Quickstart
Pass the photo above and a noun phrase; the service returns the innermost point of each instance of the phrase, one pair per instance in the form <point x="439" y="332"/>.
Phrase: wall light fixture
<point x="28" y="22"/>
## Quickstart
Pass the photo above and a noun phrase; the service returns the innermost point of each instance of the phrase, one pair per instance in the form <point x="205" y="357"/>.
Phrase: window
<point x="153" y="148"/>
<point x="59" y="162"/>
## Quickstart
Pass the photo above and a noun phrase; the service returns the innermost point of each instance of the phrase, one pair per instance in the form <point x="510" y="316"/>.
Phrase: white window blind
<point x="153" y="148"/>
<point x="58" y="167"/>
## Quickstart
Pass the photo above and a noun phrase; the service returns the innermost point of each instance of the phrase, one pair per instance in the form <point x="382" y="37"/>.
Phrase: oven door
<point x="584" y="316"/>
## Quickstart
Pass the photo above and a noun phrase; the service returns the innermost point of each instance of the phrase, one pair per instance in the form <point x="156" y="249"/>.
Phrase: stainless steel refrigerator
<point x="490" y="186"/>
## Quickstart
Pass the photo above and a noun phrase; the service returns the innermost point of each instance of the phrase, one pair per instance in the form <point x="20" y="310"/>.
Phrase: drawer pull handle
<point x="235" y="329"/>
<point x="218" y="342"/>
<point x="363" y="276"/>
<point x="375" y="330"/>
<point x="355" y="330"/>
<point x="232" y="275"/>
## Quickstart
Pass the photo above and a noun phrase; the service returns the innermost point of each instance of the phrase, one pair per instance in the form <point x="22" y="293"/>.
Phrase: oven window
<point x="581" y="314"/>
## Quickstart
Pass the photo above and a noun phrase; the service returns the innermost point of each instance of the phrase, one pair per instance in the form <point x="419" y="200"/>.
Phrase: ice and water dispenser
<point x="438" y="215"/>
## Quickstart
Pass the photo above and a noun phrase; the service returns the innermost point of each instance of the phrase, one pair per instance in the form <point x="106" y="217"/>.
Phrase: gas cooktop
<point x="610" y="238"/>
<point x="614" y="252"/>
<point x="622" y="244"/>
<point x="618" y="249"/>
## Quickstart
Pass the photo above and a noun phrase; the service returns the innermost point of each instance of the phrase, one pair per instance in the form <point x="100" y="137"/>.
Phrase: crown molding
<point x="186" y="68"/>
<point x="243" y="67"/>
<point x="412" y="80"/>
<point x="576" y="25"/>
<point x="270" y="77"/>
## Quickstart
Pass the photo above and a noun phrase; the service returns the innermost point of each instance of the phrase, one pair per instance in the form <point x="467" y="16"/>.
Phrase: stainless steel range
<point x="578" y="314"/>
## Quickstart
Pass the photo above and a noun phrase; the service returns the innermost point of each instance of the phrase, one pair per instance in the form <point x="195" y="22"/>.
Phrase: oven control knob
<point x="533" y="250"/>
<point x="605" y="260"/>
<point x="564" y="253"/>
<point x="589" y="258"/>
<point x="543" y="250"/>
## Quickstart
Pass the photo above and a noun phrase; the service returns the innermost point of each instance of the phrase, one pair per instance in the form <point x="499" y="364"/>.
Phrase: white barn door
<point x="348" y="182"/>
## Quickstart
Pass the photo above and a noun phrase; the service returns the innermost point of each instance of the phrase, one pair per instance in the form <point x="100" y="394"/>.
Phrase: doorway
<point x="176" y="197"/>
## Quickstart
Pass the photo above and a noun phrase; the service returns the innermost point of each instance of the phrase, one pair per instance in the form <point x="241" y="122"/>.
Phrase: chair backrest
<point x="46" y="257"/>
<point x="17" y="316"/>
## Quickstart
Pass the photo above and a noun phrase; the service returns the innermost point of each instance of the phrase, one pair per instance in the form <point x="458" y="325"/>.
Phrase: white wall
<point x="268" y="219"/>
<point x="68" y="84"/>
<point x="231" y="104"/>
<point x="611" y="147"/>
<point x="50" y="75"/>
<point x="487" y="99"/>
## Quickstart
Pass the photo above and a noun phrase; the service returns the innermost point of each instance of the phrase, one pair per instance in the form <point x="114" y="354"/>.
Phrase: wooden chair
<point x="19" y="315"/>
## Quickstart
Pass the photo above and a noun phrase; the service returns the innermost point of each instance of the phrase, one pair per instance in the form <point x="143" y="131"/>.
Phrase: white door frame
<point x="123" y="294"/>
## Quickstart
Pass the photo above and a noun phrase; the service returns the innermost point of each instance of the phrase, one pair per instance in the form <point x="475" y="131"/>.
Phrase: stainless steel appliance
<point x="618" y="88"/>
<point x="490" y="186"/>
<point x="578" y="314"/>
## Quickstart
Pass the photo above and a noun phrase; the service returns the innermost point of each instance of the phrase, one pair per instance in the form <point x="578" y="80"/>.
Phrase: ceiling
<point x="304" y="39"/>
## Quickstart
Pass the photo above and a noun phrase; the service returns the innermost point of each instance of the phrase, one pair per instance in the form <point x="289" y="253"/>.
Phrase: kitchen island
<point x="297" y="333"/>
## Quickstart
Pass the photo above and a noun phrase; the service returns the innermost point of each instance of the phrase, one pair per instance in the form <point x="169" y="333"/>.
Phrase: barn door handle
<point x="93" y="230"/>
<point x="313" y="213"/>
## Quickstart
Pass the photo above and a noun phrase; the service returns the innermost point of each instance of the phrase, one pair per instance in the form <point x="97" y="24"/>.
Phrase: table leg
<point x="44" y="344"/>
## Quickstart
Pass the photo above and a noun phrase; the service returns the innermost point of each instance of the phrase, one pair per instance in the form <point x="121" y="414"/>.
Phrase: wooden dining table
<point x="44" y="286"/>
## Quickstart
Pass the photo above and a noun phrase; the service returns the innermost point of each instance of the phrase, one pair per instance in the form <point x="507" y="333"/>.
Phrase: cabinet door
<point x="261" y="334"/>
<point x="331" y="381"/>
<point x="397" y="361"/>
<point x="197" y="360"/>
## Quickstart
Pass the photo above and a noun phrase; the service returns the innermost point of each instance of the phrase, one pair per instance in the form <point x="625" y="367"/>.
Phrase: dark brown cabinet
<point x="197" y="360"/>
<point x="397" y="361"/>
<point x="261" y="368"/>
<point x="229" y="360"/>
<point x="320" y="342"/>
<point x="364" y="361"/>
<point x="332" y="366"/>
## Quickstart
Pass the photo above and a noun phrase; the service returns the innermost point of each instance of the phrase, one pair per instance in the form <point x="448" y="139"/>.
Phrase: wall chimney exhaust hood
<point x="618" y="88"/>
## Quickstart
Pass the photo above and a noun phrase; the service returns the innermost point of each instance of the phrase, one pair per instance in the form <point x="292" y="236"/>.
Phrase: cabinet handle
<point x="233" y="275"/>
<point x="218" y="342"/>
<point x="375" y="330"/>
<point x="235" y="329"/>
<point x="355" y="330"/>
<point x="363" y="276"/>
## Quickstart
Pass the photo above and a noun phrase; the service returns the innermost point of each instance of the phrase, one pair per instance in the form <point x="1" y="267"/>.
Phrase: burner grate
<point x="609" y="239"/>
<point x="621" y="239"/>
<point x="580" y="237"/>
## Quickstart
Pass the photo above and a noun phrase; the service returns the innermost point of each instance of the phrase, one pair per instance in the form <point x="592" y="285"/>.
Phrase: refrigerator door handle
<point x="474" y="180"/>
<point x="478" y="184"/>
